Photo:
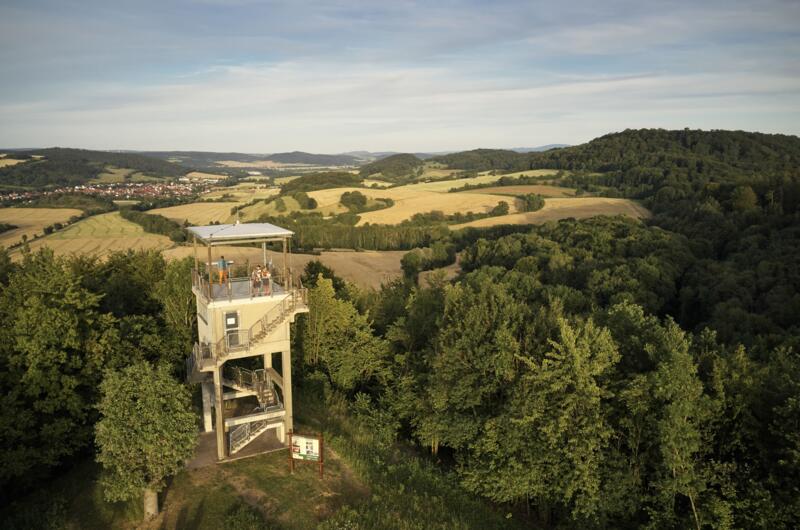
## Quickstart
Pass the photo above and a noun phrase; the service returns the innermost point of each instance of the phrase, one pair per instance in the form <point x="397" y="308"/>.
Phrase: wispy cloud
<point x="334" y="76"/>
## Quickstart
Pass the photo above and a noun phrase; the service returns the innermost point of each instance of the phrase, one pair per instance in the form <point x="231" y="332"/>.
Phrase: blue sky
<point x="334" y="76"/>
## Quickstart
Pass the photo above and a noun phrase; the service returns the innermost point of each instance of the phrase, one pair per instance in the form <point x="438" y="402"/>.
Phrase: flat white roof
<point x="240" y="231"/>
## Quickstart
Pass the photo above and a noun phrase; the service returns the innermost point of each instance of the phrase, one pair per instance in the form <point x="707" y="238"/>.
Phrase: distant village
<point x="119" y="191"/>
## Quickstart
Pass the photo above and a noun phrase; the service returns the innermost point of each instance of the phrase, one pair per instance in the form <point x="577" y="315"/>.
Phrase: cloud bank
<point x="337" y="76"/>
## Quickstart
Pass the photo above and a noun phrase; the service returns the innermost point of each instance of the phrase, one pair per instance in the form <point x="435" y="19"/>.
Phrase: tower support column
<point x="208" y="400"/>
<point x="219" y="412"/>
<point x="268" y="360"/>
<point x="286" y="368"/>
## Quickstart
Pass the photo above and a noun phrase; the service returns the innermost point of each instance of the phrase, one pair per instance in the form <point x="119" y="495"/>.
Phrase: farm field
<point x="482" y="178"/>
<point x="198" y="213"/>
<point x="252" y="213"/>
<point x="112" y="175"/>
<point x="541" y="189"/>
<point x="366" y="269"/>
<point x="6" y="162"/>
<point x="201" y="175"/>
<point x="375" y="182"/>
<point x="31" y="221"/>
<point x="242" y="193"/>
<point x="412" y="199"/>
<point x="101" y="234"/>
<point x="555" y="209"/>
<point x="534" y="173"/>
<point x="280" y="181"/>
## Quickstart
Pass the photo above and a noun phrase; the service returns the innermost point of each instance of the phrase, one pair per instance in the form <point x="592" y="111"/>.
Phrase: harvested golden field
<point x="31" y="221"/>
<point x="483" y="178"/>
<point x="555" y="209"/>
<point x="6" y="162"/>
<point x="374" y="182"/>
<point x="198" y="213"/>
<point x="280" y="181"/>
<point x="534" y="173"/>
<point x="242" y="193"/>
<point x="438" y="173"/>
<point x="203" y="176"/>
<point x="100" y="235"/>
<point x="412" y="199"/>
<point x="366" y="269"/>
<point x="541" y="189"/>
<point x="252" y="213"/>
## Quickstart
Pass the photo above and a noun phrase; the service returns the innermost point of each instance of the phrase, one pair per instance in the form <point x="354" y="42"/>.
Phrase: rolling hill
<point x="394" y="168"/>
<point x="60" y="166"/>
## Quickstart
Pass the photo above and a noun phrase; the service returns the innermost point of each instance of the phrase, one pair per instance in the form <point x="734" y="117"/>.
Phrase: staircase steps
<point x="246" y="433"/>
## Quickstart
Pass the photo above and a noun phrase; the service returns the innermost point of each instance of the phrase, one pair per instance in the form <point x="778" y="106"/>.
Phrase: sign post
<point x="307" y="448"/>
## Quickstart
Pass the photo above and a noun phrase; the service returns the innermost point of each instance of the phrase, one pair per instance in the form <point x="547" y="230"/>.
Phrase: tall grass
<point x="408" y="492"/>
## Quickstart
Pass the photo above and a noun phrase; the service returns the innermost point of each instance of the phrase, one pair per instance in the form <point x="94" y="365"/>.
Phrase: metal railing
<point x="235" y="288"/>
<point x="201" y="352"/>
<point x="257" y="381"/>
<point x="242" y="434"/>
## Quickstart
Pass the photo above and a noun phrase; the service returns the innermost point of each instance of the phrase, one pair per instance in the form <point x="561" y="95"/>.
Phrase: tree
<point x="550" y="443"/>
<point x="339" y="340"/>
<point x="174" y="292"/>
<point x="683" y="411"/>
<point x="146" y="433"/>
<point x="744" y="199"/>
<point x="53" y="346"/>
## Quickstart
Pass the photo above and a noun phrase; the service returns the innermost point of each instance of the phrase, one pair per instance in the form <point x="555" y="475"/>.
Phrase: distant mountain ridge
<point x="209" y="159"/>
<point x="539" y="148"/>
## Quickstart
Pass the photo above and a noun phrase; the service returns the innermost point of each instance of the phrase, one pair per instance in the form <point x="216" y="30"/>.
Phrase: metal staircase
<point x="256" y="382"/>
<point x="204" y="355"/>
<point x="241" y="435"/>
<point x="266" y="325"/>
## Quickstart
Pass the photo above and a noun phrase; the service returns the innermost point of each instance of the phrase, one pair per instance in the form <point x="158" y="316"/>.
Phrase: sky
<point x="392" y="75"/>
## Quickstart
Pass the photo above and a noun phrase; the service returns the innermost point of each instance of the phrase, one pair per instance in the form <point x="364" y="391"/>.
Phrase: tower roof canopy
<point x="240" y="232"/>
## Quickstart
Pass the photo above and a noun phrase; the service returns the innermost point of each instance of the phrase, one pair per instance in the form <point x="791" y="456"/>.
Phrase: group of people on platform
<point x="262" y="281"/>
<point x="261" y="277"/>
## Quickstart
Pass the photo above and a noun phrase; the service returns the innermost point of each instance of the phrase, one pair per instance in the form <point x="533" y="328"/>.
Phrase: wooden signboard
<point x="307" y="448"/>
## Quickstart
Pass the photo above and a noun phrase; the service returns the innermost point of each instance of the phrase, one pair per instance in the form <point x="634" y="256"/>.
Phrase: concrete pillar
<point x="281" y="434"/>
<point x="268" y="360"/>
<point x="220" y="419"/>
<point x="208" y="400"/>
<point x="286" y="366"/>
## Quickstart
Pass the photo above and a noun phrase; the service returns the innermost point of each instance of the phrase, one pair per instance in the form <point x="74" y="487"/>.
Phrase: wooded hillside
<point x="395" y="168"/>
<point x="69" y="167"/>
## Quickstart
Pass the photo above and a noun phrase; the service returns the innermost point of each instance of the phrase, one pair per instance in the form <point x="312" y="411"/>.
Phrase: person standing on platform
<point x="223" y="269"/>
<point x="256" y="279"/>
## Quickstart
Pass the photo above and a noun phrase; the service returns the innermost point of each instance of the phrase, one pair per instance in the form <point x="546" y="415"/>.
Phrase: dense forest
<point x="395" y="168"/>
<point x="70" y="167"/>
<point x="608" y="373"/>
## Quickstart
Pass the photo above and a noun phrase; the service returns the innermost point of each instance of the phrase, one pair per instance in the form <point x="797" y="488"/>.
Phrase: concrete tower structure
<point x="242" y="357"/>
